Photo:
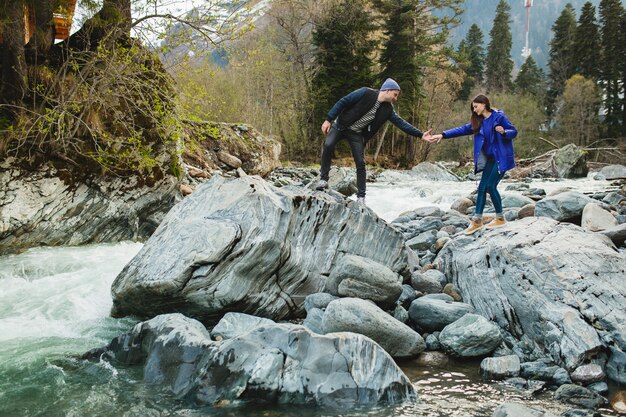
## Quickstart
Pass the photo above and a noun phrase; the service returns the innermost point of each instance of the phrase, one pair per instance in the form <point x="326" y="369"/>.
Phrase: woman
<point x="493" y="155"/>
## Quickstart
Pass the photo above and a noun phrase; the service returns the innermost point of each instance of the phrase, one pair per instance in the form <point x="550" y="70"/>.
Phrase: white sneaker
<point x="360" y="200"/>
<point x="321" y="185"/>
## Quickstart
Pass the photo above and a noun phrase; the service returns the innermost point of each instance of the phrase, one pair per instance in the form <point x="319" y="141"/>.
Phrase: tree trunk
<point x="14" y="76"/>
<point x="39" y="46"/>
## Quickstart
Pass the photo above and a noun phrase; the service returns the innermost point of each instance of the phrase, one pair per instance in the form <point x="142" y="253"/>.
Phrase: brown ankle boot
<point x="476" y="225"/>
<point x="497" y="222"/>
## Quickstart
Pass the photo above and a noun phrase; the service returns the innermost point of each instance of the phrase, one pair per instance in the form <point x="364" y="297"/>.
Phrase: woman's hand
<point x="500" y="129"/>
<point x="430" y="138"/>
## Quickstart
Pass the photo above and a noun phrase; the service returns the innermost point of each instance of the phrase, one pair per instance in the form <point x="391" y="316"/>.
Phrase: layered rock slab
<point x="555" y="290"/>
<point x="244" y="245"/>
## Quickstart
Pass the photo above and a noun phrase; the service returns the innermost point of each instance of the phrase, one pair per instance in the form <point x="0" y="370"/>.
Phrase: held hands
<point x="430" y="138"/>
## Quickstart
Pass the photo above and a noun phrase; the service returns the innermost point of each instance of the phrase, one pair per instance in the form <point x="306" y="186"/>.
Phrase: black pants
<point x="357" y="145"/>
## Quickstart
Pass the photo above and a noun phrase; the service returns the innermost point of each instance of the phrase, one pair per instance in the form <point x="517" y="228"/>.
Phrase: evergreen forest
<point x="118" y="94"/>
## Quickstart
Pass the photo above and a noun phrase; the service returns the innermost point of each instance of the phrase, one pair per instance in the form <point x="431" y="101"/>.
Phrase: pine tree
<point x="414" y="35"/>
<point x="344" y="42"/>
<point x="530" y="79"/>
<point x="611" y="72"/>
<point x="586" y="48"/>
<point x="562" y="63"/>
<point x="471" y="51"/>
<point x="499" y="64"/>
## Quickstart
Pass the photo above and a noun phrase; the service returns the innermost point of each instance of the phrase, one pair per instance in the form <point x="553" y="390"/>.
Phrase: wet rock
<point x="342" y="180"/>
<point x="611" y="172"/>
<point x="562" y="298"/>
<point x="462" y="204"/>
<point x="543" y="371"/>
<point x="595" y="218"/>
<point x="400" y="314"/>
<point x="617" y="234"/>
<point x="587" y="374"/>
<point x="579" y="396"/>
<point x="432" y="342"/>
<point x="470" y="336"/>
<point x="499" y="368"/>
<point x="277" y="363"/>
<point x="614" y="198"/>
<point x="517" y="186"/>
<point x="527" y="211"/>
<point x="566" y="206"/>
<point x="313" y="320"/>
<point x="244" y="245"/>
<point x="601" y="388"/>
<point x="428" y="282"/>
<point x="514" y="200"/>
<point x="234" y="324"/>
<point x="433" y="172"/>
<point x="451" y="290"/>
<point x="581" y="413"/>
<point x="440" y="296"/>
<point x="356" y="276"/>
<point x="423" y="240"/>
<point x="519" y="410"/>
<point x="360" y="316"/>
<point x="433" y="314"/>
<point x="48" y="207"/>
<point x="616" y="366"/>
<point x="407" y="296"/>
<point x="318" y="300"/>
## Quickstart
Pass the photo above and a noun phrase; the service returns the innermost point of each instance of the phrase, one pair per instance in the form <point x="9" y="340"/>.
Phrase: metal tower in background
<point x="526" y="49"/>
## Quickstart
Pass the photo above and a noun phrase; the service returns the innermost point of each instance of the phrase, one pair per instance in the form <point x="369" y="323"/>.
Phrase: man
<point x="357" y="117"/>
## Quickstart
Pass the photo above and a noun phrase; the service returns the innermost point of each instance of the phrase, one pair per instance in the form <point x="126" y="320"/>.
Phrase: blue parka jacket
<point x="503" y="143"/>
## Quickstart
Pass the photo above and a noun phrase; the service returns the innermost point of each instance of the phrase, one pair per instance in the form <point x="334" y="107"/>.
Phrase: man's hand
<point x="430" y="138"/>
<point x="326" y="127"/>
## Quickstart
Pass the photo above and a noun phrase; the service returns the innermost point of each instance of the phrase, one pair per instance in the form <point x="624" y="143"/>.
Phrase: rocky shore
<point x="539" y="300"/>
<point x="263" y="289"/>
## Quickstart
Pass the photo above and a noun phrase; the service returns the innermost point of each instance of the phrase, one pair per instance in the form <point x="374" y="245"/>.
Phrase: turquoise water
<point x="54" y="306"/>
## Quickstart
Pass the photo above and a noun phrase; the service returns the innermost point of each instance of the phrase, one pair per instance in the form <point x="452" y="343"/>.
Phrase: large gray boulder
<point x="433" y="172"/>
<point x="243" y="245"/>
<point x="595" y="218"/>
<point x="48" y="207"/>
<point x="282" y="363"/>
<point x="611" y="172"/>
<point x="355" y="276"/>
<point x="566" y="206"/>
<point x="470" y="336"/>
<point x="500" y="367"/>
<point x="363" y="317"/>
<point x="432" y="314"/>
<point x="554" y="290"/>
<point x="569" y="161"/>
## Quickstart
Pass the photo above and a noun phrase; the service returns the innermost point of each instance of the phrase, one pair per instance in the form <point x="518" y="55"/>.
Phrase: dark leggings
<point x="358" y="154"/>
<point x="488" y="184"/>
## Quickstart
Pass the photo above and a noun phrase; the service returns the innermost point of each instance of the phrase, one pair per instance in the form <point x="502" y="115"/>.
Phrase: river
<point x="55" y="303"/>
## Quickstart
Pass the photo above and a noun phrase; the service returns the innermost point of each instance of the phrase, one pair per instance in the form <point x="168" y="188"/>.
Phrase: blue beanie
<point x="389" y="84"/>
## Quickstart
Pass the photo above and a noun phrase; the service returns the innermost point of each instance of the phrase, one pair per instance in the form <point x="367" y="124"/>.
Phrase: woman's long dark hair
<point x="477" y="120"/>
